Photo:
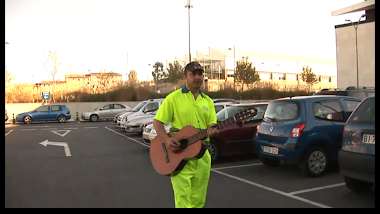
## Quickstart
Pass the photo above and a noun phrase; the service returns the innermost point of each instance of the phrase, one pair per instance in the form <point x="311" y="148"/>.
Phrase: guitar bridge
<point x="165" y="151"/>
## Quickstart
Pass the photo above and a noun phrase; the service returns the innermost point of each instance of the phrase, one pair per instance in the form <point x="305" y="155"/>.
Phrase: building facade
<point x="280" y="71"/>
<point x="356" y="68"/>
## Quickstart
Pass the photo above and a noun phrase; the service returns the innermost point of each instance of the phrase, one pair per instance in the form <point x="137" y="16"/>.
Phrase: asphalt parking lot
<point x="100" y="165"/>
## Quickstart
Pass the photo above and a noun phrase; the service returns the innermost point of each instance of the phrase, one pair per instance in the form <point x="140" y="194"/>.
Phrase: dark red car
<point x="236" y="139"/>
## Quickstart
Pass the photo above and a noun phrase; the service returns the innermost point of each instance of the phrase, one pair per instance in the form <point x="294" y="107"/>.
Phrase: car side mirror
<point x="145" y="110"/>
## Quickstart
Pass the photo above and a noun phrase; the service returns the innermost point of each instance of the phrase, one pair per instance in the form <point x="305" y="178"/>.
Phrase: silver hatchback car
<point x="107" y="111"/>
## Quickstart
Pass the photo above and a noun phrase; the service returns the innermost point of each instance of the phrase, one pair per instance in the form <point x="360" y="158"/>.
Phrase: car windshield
<point x="138" y="107"/>
<point x="365" y="112"/>
<point x="281" y="110"/>
<point x="228" y="112"/>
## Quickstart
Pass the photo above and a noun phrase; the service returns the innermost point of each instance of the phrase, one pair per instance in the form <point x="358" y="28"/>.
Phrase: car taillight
<point x="258" y="127"/>
<point x="296" y="131"/>
<point x="344" y="131"/>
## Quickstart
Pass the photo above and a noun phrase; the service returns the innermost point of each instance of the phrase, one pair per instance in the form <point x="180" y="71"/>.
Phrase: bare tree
<point x="57" y="69"/>
<point x="132" y="77"/>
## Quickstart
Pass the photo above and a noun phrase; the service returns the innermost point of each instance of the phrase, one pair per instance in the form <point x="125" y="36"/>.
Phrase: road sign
<point x="46" y="95"/>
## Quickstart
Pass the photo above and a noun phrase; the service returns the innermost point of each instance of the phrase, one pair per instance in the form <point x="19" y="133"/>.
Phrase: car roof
<point x="311" y="97"/>
<point x="250" y="104"/>
<point x="157" y="99"/>
<point x="223" y="103"/>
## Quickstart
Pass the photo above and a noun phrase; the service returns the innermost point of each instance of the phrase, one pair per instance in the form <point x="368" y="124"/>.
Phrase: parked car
<point x="53" y="112"/>
<point x="6" y="115"/>
<point x="225" y="100"/>
<point x="135" y="125"/>
<point x="141" y="109"/>
<point x="106" y="111"/>
<point x="357" y="156"/>
<point x="149" y="133"/>
<point x="304" y="130"/>
<point x="360" y="92"/>
<point x="220" y="106"/>
<point x="235" y="139"/>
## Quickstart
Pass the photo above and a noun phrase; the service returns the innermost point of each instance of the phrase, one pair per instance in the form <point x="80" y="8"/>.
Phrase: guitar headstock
<point x="244" y="115"/>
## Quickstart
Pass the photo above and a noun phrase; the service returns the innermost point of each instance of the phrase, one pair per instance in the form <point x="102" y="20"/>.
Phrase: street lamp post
<point x="188" y="6"/>
<point x="356" y="45"/>
<point x="234" y="68"/>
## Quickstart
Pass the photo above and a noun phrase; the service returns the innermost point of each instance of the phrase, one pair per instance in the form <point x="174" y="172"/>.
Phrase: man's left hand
<point x="211" y="131"/>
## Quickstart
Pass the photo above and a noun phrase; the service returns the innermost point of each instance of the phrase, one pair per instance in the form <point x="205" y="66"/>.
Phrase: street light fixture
<point x="356" y="45"/>
<point x="234" y="67"/>
<point x="188" y="6"/>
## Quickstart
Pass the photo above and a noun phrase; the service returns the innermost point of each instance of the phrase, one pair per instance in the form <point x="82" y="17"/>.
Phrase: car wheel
<point x="269" y="162"/>
<point x="214" y="151"/>
<point x="357" y="186"/>
<point x="27" y="120"/>
<point x="94" y="118"/>
<point x="315" y="162"/>
<point x="61" y="118"/>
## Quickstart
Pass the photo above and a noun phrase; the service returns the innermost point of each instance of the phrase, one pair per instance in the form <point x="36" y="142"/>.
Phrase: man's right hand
<point x="173" y="144"/>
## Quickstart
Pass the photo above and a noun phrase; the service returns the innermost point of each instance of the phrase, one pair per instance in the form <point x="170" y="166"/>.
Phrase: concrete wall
<point x="17" y="108"/>
<point x="346" y="55"/>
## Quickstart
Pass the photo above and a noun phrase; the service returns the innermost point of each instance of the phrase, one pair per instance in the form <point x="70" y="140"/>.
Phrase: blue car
<point x="59" y="113"/>
<point x="357" y="156"/>
<point x="303" y="130"/>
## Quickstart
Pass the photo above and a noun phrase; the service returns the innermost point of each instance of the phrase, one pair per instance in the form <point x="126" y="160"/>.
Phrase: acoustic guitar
<point x="165" y="161"/>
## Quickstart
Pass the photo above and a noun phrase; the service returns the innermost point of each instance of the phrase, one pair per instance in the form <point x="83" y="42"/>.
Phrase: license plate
<point x="271" y="150"/>
<point x="369" y="138"/>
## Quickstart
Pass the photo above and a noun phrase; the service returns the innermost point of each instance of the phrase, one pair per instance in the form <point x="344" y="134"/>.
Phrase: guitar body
<point x="165" y="161"/>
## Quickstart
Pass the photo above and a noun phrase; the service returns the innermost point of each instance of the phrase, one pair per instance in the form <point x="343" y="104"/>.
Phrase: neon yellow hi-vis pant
<point x="190" y="184"/>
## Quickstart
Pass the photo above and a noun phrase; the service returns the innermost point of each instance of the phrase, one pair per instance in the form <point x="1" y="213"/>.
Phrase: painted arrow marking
<point x="65" y="132"/>
<point x="65" y="145"/>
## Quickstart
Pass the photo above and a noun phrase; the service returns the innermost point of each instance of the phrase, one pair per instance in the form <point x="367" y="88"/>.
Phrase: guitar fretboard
<point x="203" y="133"/>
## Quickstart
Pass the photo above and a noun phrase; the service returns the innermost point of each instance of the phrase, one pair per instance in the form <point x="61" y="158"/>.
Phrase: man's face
<point x="194" y="78"/>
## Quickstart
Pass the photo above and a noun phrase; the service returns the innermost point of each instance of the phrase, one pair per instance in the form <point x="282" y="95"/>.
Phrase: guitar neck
<point x="203" y="133"/>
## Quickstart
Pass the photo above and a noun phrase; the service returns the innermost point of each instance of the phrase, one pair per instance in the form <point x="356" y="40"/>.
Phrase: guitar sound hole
<point x="184" y="143"/>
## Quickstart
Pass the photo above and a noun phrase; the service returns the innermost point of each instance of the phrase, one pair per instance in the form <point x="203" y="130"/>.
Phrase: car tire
<point x="315" y="162"/>
<point x="357" y="186"/>
<point x="94" y="118"/>
<point x="61" y="119"/>
<point x="213" y="149"/>
<point x="27" y="119"/>
<point x="269" y="162"/>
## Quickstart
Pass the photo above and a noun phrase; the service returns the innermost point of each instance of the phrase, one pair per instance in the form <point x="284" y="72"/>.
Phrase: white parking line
<point x="40" y="126"/>
<point x="316" y="189"/>
<point x="272" y="190"/>
<point x="49" y="129"/>
<point x="70" y="128"/>
<point x="246" y="181"/>
<point x="8" y="132"/>
<point x="238" y="166"/>
<point x="127" y="137"/>
<point x="90" y="127"/>
<point x="28" y="129"/>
